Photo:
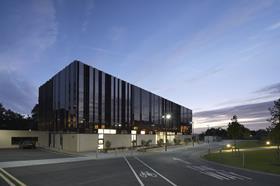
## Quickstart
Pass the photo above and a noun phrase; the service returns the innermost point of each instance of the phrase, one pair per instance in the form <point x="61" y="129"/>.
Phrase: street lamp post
<point x="166" y="117"/>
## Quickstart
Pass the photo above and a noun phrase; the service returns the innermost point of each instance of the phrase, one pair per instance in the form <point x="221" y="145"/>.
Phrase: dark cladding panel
<point x="91" y="94"/>
<point x="123" y="100"/>
<point x="108" y="99"/>
<point x="136" y="103"/>
<point x="86" y="96"/>
<point x="120" y="100"/>
<point x="112" y="113"/>
<point x="81" y="95"/>
<point x="145" y="105"/>
<point x="116" y="85"/>
<point x="96" y="96"/>
<point x="102" y="113"/>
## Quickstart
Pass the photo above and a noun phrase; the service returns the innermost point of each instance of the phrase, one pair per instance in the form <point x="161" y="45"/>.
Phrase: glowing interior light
<point x="168" y="116"/>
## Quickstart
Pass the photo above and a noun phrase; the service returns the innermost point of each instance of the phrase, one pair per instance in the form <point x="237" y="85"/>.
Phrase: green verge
<point x="260" y="160"/>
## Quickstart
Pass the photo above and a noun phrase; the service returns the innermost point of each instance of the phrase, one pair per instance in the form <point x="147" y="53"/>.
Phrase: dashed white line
<point x="135" y="174"/>
<point x="166" y="179"/>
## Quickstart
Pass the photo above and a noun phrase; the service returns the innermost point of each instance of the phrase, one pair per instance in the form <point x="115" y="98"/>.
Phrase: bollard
<point x="243" y="159"/>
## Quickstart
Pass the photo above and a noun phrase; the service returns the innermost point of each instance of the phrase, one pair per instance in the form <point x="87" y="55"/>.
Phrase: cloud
<point x="268" y="93"/>
<point x="274" y="26"/>
<point x="31" y="29"/>
<point x="270" y="90"/>
<point x="210" y="34"/>
<point x="16" y="93"/>
<point x="116" y="33"/>
<point x="89" y="6"/>
<point x="253" y="116"/>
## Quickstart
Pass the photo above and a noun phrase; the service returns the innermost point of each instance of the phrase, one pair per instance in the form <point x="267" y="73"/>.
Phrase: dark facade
<point x="82" y="98"/>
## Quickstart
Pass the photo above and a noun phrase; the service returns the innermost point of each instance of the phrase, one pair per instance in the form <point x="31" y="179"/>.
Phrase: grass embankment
<point x="261" y="160"/>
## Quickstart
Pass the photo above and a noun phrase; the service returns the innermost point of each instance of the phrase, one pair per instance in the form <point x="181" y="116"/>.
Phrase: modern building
<point x="83" y="99"/>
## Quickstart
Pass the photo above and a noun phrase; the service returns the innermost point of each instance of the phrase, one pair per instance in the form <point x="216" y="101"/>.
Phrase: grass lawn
<point x="261" y="160"/>
<point x="250" y="144"/>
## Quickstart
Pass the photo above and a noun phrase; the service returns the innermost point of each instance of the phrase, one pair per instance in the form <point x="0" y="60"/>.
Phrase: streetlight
<point x="166" y="117"/>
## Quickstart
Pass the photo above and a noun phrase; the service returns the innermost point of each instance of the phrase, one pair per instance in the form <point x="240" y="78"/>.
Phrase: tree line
<point x="10" y="120"/>
<point x="235" y="130"/>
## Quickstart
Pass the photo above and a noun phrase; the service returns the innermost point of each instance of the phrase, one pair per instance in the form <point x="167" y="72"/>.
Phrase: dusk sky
<point x="215" y="57"/>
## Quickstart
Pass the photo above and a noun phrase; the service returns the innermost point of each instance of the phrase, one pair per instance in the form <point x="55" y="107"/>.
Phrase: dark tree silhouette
<point x="274" y="129"/>
<point x="236" y="130"/>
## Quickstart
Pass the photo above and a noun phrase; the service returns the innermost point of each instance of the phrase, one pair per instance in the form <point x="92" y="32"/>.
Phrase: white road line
<point x="6" y="180"/>
<point x="245" y="177"/>
<point x="166" y="179"/>
<point x="12" y="177"/>
<point x="183" y="161"/>
<point x="137" y="177"/>
<point x="215" y="175"/>
<point x="228" y="175"/>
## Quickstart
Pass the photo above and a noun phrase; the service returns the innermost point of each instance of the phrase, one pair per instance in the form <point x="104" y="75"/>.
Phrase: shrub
<point x="160" y="142"/>
<point x="143" y="142"/>
<point x="134" y="143"/>
<point x="186" y="141"/>
<point x="148" y="142"/>
<point x="177" y="141"/>
<point x="107" y="144"/>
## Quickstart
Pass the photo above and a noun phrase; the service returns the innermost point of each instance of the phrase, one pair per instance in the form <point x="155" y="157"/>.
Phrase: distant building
<point x="81" y="98"/>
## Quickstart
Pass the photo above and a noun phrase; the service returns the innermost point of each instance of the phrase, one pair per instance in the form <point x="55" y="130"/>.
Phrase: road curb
<point x="11" y="180"/>
<point x="239" y="168"/>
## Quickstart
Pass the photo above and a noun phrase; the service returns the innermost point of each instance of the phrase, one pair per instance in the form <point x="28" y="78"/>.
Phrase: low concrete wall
<point x="118" y="140"/>
<point x="87" y="142"/>
<point x="183" y="137"/>
<point x="146" y="137"/>
<point x="70" y="142"/>
<point x="6" y="137"/>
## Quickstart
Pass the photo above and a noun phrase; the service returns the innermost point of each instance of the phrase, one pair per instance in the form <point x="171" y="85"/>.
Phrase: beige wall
<point x="183" y="137"/>
<point x="87" y="142"/>
<point x="77" y="142"/>
<point x="6" y="137"/>
<point x="146" y="137"/>
<point x="118" y="140"/>
<point x="70" y="142"/>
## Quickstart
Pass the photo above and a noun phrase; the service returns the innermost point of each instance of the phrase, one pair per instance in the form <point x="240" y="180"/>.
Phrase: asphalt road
<point x="28" y="154"/>
<point x="181" y="167"/>
<point x="2" y="182"/>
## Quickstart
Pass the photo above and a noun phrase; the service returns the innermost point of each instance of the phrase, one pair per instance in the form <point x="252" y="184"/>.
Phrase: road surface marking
<point x="145" y="174"/>
<point x="218" y="174"/>
<point x="135" y="174"/>
<point x="183" y="161"/>
<point x="11" y="177"/>
<point x="6" y="180"/>
<point x="166" y="179"/>
<point x="245" y="177"/>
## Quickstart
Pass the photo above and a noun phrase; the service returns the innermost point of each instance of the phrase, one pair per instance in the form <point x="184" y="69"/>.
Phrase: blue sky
<point x="206" y="55"/>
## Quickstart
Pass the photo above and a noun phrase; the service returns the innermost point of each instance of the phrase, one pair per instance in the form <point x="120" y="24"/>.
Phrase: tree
<point x="274" y="129"/>
<point x="236" y="130"/>
<point x="11" y="120"/>
<point x="216" y="132"/>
